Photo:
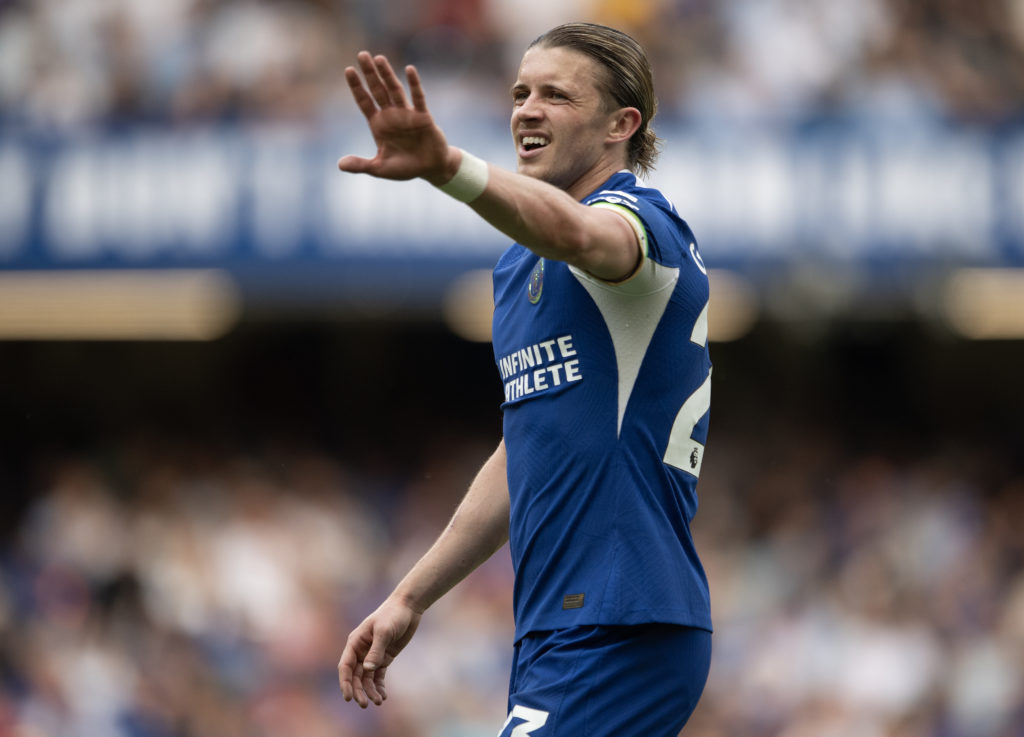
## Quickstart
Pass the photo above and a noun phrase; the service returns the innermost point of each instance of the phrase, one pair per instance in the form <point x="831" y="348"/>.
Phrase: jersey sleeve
<point x="659" y="233"/>
<point x="632" y="218"/>
<point x="660" y="230"/>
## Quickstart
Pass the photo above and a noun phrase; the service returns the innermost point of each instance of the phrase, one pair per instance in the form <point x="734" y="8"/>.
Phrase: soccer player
<point x="600" y="340"/>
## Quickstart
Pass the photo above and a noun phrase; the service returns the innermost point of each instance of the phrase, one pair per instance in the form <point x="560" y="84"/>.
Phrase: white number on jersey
<point x="532" y="719"/>
<point x="683" y="451"/>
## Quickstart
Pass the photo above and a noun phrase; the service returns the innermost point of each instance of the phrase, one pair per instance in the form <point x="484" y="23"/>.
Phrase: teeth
<point x="535" y="141"/>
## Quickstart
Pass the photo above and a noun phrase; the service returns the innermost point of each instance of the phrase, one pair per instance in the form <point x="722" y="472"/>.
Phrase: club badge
<point x="536" y="285"/>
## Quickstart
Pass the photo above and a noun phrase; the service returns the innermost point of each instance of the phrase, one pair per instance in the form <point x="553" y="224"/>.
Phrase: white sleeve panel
<point x="632" y="311"/>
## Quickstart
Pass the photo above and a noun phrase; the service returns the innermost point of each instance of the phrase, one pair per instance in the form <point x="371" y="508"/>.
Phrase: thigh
<point x="607" y="681"/>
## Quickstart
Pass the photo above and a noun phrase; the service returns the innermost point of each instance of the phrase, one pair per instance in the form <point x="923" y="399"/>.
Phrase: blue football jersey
<point x="607" y="392"/>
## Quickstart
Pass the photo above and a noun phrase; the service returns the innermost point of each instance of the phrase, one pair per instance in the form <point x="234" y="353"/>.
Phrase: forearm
<point x="544" y="218"/>
<point x="477" y="529"/>
<point x="536" y="214"/>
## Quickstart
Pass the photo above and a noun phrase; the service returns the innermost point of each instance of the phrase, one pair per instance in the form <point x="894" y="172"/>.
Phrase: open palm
<point x="409" y="142"/>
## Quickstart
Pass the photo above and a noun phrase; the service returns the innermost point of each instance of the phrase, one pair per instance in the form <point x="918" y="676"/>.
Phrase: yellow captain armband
<point x="631" y="218"/>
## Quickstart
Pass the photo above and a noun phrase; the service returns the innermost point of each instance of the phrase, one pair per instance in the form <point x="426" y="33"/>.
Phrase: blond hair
<point x="628" y="79"/>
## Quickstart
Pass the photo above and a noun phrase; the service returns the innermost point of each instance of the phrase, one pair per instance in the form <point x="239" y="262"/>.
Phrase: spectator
<point x="196" y="592"/>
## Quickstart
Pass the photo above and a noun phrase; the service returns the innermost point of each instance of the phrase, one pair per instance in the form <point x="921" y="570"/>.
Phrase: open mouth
<point x="532" y="143"/>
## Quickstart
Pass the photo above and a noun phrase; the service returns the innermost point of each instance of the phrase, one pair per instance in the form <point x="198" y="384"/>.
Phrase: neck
<point x="593" y="179"/>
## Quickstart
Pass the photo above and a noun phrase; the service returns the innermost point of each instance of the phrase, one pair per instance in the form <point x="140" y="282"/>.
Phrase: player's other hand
<point x="409" y="143"/>
<point x="371" y="648"/>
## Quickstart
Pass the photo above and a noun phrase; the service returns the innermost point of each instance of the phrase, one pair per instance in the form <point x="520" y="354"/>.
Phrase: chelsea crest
<point x="536" y="285"/>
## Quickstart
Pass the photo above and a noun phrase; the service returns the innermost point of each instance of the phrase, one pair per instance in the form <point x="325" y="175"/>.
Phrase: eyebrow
<point x="523" y="87"/>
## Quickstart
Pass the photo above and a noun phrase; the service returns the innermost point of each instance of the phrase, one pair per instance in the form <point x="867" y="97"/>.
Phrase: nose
<point x="527" y="109"/>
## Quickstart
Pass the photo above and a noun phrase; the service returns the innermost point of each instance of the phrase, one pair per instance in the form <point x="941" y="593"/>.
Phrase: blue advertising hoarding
<point x="270" y="207"/>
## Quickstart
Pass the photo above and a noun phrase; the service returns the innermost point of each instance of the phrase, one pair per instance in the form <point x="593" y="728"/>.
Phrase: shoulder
<point x="625" y="188"/>
<point x="668" y="237"/>
<point x="512" y="255"/>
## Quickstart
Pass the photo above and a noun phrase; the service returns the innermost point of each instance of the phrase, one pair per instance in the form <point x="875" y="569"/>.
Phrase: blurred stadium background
<point x="241" y="392"/>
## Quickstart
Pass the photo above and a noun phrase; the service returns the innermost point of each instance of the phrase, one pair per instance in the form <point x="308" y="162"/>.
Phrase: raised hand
<point x="409" y="142"/>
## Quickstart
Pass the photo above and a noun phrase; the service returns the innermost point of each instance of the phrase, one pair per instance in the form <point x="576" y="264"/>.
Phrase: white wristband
<point x="469" y="181"/>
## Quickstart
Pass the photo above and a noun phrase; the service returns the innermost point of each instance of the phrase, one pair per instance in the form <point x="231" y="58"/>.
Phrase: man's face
<point x="559" y="121"/>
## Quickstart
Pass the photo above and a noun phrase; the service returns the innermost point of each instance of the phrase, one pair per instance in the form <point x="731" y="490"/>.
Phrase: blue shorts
<point x="635" y="681"/>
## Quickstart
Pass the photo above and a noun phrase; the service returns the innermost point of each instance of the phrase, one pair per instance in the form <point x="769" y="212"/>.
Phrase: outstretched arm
<point x="534" y="213"/>
<point x="478" y="528"/>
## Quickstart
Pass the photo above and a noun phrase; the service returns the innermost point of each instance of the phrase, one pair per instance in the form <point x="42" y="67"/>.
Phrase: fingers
<point x="355" y="164"/>
<point x="351" y="671"/>
<point x="363" y="664"/>
<point x="392" y="84"/>
<point x="346" y="673"/>
<point x="376" y="656"/>
<point x="371" y="683"/>
<point x="419" y="98"/>
<point x="360" y="685"/>
<point x="359" y="93"/>
<point x="382" y="84"/>
<point x="373" y="79"/>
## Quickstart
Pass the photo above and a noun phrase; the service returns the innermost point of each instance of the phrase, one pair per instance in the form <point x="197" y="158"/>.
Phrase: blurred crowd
<point x="172" y="589"/>
<point x="71" y="63"/>
<point x="166" y="587"/>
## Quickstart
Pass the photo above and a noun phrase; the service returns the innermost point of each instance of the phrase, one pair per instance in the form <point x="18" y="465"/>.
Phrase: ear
<point x="624" y="123"/>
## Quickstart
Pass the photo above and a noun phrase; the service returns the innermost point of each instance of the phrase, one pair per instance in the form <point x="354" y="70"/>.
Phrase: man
<point x="600" y="338"/>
